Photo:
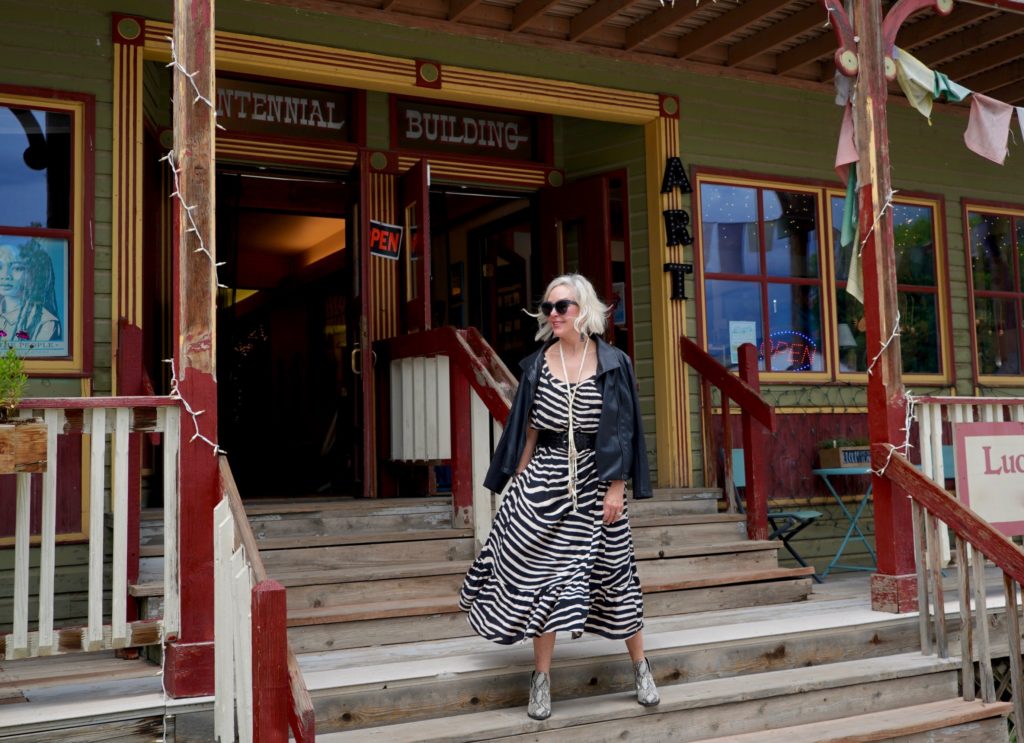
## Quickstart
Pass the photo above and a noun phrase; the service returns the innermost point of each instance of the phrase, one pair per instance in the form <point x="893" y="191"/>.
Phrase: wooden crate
<point x="844" y="456"/>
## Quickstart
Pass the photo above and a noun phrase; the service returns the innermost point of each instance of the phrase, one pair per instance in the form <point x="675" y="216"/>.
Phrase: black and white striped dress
<point x="546" y="567"/>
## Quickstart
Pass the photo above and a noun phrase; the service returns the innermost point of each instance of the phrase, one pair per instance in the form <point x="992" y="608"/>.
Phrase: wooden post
<point x="754" y="456"/>
<point x="271" y="696"/>
<point x="894" y="586"/>
<point x="189" y="659"/>
<point x="462" y="449"/>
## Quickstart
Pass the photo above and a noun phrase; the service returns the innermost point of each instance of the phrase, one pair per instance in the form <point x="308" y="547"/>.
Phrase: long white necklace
<point x="570" y="395"/>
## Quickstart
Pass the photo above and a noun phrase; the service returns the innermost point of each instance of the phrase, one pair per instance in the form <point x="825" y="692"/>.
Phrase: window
<point x="768" y="279"/>
<point x="921" y="304"/>
<point x="762" y="273"/>
<point x="995" y="241"/>
<point x="42" y="213"/>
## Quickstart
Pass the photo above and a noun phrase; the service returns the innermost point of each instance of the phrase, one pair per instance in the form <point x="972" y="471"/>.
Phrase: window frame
<point x="763" y="279"/>
<point x="81" y="232"/>
<point x="999" y="209"/>
<point x="943" y="310"/>
<point x="826" y="245"/>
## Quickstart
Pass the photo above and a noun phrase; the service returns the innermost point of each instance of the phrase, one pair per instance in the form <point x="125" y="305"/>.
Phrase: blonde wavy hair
<point x="593" y="316"/>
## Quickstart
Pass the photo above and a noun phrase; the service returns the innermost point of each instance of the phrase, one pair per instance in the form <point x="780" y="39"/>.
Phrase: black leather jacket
<point x="621" y="448"/>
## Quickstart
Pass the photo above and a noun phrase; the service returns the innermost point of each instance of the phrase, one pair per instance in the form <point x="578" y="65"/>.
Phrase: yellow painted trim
<point x="797" y="410"/>
<point x="42" y="367"/>
<point x="668" y="317"/>
<point x="970" y="206"/>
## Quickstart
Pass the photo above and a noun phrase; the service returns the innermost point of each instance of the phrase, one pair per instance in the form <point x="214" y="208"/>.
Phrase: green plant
<point x="12" y="382"/>
<point x="839" y="443"/>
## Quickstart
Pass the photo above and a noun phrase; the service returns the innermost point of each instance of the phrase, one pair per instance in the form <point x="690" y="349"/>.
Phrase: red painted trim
<point x="88" y="237"/>
<point x="422" y="82"/>
<point x="359" y="112"/>
<point x="953" y="400"/>
<point x="188" y="666"/>
<point x="747" y="396"/>
<point x="271" y="694"/>
<point x="462" y="445"/>
<point x="117" y="38"/>
<point x="967" y="524"/>
<point x="84" y="403"/>
<point x="754" y="450"/>
<point x="47" y="232"/>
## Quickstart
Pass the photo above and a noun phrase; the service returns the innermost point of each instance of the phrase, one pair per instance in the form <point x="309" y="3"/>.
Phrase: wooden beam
<point x="809" y="51"/>
<point x="459" y="8"/>
<point x="938" y="25"/>
<point x="1010" y="94"/>
<point x="659" y="21"/>
<point x="986" y="59"/>
<point x="727" y="24"/>
<point x="799" y="23"/>
<point x="388" y="4"/>
<point x="595" y="15"/>
<point x="966" y="41"/>
<point x="189" y="659"/>
<point x="1001" y="76"/>
<point x="528" y="10"/>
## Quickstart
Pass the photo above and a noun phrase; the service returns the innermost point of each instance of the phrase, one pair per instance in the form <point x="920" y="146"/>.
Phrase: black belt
<point x="560" y="440"/>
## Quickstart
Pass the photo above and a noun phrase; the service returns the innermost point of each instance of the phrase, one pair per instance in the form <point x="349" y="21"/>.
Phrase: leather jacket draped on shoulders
<point x="621" y="452"/>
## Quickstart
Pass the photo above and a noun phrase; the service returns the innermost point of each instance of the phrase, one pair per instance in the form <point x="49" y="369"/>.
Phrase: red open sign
<point x="385" y="240"/>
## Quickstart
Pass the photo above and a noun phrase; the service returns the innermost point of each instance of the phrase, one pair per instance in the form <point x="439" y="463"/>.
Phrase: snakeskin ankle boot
<point x="646" y="691"/>
<point x="540" y="696"/>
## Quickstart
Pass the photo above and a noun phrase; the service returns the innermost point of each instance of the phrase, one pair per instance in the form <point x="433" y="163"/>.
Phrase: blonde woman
<point x="560" y="555"/>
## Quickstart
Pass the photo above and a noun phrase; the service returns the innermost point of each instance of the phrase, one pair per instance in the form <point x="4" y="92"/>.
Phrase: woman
<point x="28" y="296"/>
<point x="560" y="556"/>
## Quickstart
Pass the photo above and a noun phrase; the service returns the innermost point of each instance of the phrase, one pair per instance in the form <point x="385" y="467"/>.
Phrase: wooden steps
<point x="965" y="721"/>
<point x="718" y="707"/>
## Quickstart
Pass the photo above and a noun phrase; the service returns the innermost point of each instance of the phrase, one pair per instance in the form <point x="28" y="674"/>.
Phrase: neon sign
<point x="789" y="351"/>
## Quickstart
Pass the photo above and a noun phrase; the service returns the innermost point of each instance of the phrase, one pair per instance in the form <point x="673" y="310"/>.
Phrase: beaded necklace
<point x="570" y="395"/>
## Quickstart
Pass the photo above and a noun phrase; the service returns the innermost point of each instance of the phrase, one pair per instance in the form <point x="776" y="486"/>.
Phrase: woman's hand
<point x="613" y="501"/>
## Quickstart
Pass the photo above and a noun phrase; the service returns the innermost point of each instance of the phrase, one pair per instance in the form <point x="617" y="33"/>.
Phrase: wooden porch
<point x="722" y="673"/>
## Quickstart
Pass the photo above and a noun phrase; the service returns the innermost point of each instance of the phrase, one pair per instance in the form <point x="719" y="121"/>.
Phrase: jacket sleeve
<point x="641" y="467"/>
<point x="510" y="445"/>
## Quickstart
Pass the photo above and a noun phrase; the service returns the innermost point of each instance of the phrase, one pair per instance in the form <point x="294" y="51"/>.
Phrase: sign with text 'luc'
<point x="385" y="240"/>
<point x="990" y="472"/>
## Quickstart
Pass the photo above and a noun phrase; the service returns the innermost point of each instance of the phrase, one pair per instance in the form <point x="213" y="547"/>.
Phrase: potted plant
<point x="841" y="452"/>
<point x="22" y="440"/>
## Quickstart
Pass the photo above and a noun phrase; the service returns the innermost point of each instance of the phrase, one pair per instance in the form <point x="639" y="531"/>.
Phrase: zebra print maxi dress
<point x="546" y="567"/>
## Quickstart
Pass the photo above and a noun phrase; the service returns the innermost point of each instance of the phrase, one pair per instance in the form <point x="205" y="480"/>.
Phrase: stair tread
<point x="674" y="698"/>
<point x="686" y="519"/>
<point x="878" y="726"/>
<point x="360" y="537"/>
<point x="448" y="603"/>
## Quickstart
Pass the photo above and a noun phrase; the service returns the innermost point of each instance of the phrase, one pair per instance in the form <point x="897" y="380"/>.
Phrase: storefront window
<point x="762" y="274"/>
<point x="914" y="236"/>
<point x="38" y="237"/>
<point x="996" y="239"/>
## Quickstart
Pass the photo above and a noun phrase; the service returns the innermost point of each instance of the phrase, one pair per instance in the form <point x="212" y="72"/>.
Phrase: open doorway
<point x="287" y="324"/>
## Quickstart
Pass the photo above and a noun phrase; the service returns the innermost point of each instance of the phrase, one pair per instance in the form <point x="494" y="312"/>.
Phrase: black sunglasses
<point x="561" y="307"/>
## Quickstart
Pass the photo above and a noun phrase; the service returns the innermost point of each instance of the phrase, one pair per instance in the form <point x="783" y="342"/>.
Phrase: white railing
<point x="95" y="418"/>
<point x="421" y="421"/>
<point x="259" y="692"/>
<point x="935" y="437"/>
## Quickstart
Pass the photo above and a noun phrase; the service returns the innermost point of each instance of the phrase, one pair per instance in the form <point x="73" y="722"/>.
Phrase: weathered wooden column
<point x="189" y="658"/>
<point x="894" y="586"/>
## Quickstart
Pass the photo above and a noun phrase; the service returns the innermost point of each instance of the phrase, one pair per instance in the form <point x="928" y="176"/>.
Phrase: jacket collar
<point x="608" y="357"/>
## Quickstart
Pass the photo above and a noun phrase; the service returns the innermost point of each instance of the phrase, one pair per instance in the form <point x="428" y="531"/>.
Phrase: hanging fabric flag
<point x="1020" y="119"/>
<point x="989" y="128"/>
<point x="848" y="239"/>
<point x="916" y="80"/>
<point x="954" y="91"/>
<point x="846" y="150"/>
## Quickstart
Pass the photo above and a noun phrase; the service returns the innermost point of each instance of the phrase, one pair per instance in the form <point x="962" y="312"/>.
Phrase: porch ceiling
<point x="980" y="45"/>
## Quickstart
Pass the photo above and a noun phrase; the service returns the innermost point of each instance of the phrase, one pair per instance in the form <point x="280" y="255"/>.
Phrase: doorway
<point x="287" y="325"/>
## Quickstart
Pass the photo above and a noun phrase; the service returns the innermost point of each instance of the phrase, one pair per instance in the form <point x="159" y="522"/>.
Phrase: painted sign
<point x="385" y="240"/>
<point x="251" y="107"/>
<point x="990" y="472"/>
<point x="34" y="279"/>
<point x="465" y="131"/>
<point x="740" y="332"/>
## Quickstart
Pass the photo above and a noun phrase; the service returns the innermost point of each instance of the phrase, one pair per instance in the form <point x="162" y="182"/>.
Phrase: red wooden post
<point x="189" y="659"/>
<point x="271" y="696"/>
<point x="754" y="454"/>
<point x="130" y="381"/>
<point x="462" y="449"/>
<point x="894" y="586"/>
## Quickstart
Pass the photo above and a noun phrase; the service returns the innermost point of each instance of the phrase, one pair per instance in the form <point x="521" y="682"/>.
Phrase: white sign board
<point x="990" y="472"/>
<point x="740" y="332"/>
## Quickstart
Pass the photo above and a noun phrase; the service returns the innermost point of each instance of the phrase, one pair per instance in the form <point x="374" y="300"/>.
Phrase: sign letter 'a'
<point x="385" y="240"/>
<point x="675" y="177"/>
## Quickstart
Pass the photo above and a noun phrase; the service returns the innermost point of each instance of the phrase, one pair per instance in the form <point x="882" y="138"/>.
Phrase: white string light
<point x="887" y="205"/>
<point x="910" y="404"/>
<point x="175" y="394"/>
<point x="892" y="337"/>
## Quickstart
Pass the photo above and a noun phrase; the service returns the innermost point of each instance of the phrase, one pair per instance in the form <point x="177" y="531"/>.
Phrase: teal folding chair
<point x="785" y="524"/>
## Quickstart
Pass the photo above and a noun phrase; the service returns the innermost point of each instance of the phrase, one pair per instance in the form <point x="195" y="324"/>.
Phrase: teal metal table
<point x="853" y="518"/>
